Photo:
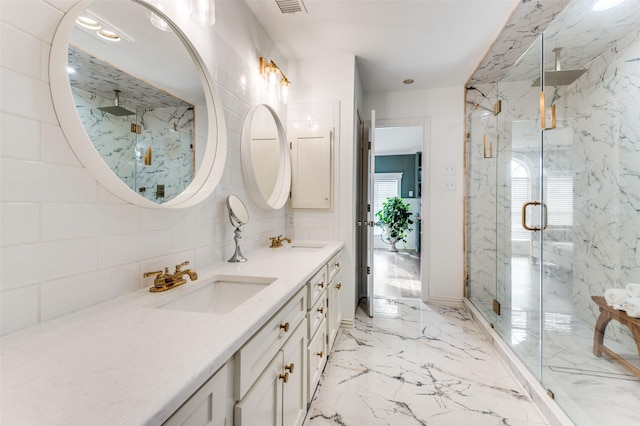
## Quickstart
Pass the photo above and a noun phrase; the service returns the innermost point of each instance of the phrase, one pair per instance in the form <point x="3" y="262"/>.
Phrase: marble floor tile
<point x="396" y="274"/>
<point x="419" y="364"/>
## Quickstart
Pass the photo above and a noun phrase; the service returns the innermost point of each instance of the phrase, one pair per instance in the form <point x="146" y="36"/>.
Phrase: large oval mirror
<point x="137" y="104"/>
<point x="266" y="165"/>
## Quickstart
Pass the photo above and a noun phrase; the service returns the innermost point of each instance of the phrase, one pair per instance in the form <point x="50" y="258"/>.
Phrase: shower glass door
<point x="481" y="201"/>
<point x="519" y="217"/>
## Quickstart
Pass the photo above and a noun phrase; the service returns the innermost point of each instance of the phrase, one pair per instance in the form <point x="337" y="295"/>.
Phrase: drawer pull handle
<point x="289" y="368"/>
<point x="321" y="284"/>
<point x="284" y="377"/>
<point x="337" y="265"/>
<point x="338" y="286"/>
<point x="285" y="327"/>
<point x="320" y="354"/>
<point x="321" y="310"/>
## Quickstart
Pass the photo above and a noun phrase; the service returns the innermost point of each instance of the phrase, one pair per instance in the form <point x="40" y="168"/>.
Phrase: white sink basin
<point x="221" y="296"/>
<point x="307" y="246"/>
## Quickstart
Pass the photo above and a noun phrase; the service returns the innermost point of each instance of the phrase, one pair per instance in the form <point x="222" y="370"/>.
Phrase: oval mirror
<point x="238" y="214"/>
<point x="137" y="104"/>
<point x="266" y="165"/>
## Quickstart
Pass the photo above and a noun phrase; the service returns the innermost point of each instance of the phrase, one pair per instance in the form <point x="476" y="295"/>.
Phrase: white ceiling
<point x="438" y="43"/>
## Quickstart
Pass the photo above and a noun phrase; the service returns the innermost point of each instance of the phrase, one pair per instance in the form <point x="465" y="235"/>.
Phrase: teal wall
<point x="405" y="164"/>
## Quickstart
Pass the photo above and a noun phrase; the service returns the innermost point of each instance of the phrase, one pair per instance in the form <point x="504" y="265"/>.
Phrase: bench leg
<point x="635" y="331"/>
<point x="598" y="336"/>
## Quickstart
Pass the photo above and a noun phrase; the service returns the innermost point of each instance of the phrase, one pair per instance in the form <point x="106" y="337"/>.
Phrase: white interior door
<point x="371" y="212"/>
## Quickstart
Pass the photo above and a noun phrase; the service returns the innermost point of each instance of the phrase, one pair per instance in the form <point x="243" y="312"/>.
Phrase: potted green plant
<point x="394" y="218"/>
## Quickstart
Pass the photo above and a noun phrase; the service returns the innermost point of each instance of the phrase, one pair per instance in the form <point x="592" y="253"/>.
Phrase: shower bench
<point x="608" y="313"/>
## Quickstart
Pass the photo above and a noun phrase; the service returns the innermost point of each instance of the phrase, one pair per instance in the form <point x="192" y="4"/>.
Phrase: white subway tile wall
<point x="66" y="242"/>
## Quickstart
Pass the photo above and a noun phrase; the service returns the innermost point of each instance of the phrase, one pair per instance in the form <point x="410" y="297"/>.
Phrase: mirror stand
<point x="238" y="216"/>
<point x="237" y="255"/>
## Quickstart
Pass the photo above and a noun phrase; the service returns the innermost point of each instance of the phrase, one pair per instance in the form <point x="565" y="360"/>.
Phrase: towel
<point x="631" y="306"/>
<point x="615" y="296"/>
<point x="633" y="289"/>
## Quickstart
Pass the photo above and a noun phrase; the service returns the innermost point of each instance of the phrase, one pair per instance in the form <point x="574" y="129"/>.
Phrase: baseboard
<point x="347" y="323"/>
<point x="547" y="406"/>
<point x="451" y="301"/>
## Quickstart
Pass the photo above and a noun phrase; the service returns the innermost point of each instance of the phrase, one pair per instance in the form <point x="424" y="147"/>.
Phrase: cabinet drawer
<point x="334" y="265"/>
<point x="316" y="286"/>
<point x="316" y="314"/>
<point x="317" y="357"/>
<point x="257" y="353"/>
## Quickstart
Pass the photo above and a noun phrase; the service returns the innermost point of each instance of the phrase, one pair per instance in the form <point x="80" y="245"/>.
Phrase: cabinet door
<point x="311" y="172"/>
<point x="294" y="395"/>
<point x="334" y="313"/>
<point x="316" y="358"/>
<point x="206" y="407"/>
<point x="262" y="405"/>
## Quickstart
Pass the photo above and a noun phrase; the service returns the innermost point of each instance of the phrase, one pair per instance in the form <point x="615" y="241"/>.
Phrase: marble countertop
<point x="126" y="362"/>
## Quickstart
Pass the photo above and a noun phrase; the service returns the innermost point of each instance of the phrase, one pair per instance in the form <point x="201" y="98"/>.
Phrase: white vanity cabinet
<point x="323" y="316"/>
<point x="278" y="397"/>
<point x="207" y="406"/>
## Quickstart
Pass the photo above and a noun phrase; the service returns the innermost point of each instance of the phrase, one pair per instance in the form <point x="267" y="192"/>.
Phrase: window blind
<point x="559" y="199"/>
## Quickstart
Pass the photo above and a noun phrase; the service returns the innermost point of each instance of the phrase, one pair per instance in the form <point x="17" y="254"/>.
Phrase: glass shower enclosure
<point x="553" y="206"/>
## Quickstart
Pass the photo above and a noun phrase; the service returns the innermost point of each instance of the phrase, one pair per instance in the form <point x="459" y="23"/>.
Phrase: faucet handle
<point x="159" y="281"/>
<point x="179" y="267"/>
<point x="148" y="274"/>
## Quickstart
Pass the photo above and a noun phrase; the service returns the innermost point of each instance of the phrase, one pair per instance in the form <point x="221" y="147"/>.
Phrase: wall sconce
<point x="269" y="71"/>
<point x="203" y="12"/>
<point x="157" y="21"/>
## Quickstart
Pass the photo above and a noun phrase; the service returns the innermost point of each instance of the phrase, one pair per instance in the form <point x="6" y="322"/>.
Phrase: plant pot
<point x="393" y="247"/>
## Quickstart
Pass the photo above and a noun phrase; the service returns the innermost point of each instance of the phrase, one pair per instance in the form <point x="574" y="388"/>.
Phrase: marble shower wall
<point x="603" y="107"/>
<point x="168" y="131"/>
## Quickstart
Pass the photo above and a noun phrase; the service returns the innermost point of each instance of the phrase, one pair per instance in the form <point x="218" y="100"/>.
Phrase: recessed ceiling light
<point x="88" y="22"/>
<point x="606" y="4"/>
<point x="408" y="81"/>
<point x="108" y="35"/>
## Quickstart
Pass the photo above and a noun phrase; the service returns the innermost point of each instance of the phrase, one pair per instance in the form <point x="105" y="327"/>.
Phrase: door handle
<point x="524" y="215"/>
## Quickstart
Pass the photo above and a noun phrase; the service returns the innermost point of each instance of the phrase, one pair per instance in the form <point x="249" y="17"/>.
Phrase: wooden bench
<point x="608" y="313"/>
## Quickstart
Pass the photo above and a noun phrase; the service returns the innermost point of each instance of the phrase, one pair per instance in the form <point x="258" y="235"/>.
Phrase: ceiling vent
<point x="291" y="6"/>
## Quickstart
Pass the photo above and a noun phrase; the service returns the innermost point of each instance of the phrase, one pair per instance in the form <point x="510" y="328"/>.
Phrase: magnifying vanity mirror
<point x="238" y="216"/>
<point x="266" y="165"/>
<point x="137" y="104"/>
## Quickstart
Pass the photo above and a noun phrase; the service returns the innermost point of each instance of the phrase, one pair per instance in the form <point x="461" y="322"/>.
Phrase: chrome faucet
<point x="165" y="281"/>
<point x="277" y="241"/>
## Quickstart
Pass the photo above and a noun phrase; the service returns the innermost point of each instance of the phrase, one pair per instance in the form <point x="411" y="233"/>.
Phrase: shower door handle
<point x="524" y="215"/>
<point x="543" y="114"/>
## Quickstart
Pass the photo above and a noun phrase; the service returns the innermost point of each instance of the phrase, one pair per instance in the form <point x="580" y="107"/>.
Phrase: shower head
<point x="558" y="76"/>
<point x="117" y="110"/>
